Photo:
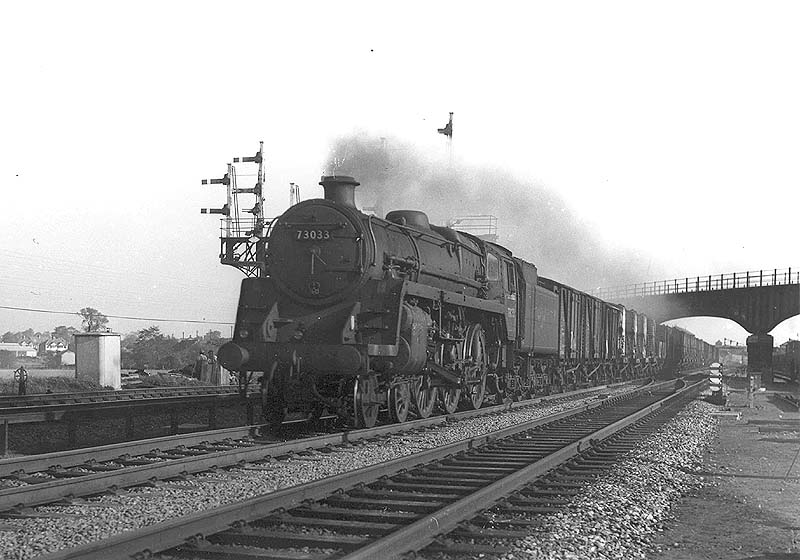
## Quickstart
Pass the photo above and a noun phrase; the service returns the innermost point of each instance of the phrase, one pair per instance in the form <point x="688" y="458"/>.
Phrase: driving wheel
<point x="424" y="396"/>
<point x="475" y="357"/>
<point x="399" y="401"/>
<point x="365" y="401"/>
<point x="450" y="397"/>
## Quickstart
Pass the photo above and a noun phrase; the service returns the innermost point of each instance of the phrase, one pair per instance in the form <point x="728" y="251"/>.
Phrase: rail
<point x="99" y="481"/>
<point x="748" y="279"/>
<point x="557" y="446"/>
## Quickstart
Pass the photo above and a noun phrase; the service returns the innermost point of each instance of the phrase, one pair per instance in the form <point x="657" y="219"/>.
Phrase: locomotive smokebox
<point x="340" y="189"/>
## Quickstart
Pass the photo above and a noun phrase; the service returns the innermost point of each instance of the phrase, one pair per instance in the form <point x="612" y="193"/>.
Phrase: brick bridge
<point x="757" y="300"/>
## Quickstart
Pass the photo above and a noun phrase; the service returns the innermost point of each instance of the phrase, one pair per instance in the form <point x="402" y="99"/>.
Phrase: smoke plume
<point x="533" y="222"/>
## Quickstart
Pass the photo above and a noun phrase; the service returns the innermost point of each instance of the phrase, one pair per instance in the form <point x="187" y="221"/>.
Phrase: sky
<point x="667" y="133"/>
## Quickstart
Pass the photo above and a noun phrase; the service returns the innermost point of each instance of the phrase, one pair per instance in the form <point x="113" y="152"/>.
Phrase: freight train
<point x="786" y="360"/>
<point x="360" y="314"/>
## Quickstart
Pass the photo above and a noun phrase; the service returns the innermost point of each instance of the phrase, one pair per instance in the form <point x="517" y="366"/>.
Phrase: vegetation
<point x="147" y="349"/>
<point x="93" y="320"/>
<point x="166" y="380"/>
<point x="51" y="385"/>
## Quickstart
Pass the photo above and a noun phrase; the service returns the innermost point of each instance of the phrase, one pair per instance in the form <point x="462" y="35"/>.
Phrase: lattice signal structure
<point x="243" y="228"/>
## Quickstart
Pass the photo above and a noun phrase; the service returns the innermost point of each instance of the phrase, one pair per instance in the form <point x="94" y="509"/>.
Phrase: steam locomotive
<point x="360" y="314"/>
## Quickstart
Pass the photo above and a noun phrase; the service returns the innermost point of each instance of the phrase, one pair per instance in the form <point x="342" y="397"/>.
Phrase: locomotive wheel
<point x="399" y="401"/>
<point x="424" y="396"/>
<point x="475" y="352"/>
<point x="450" y="397"/>
<point x="367" y="406"/>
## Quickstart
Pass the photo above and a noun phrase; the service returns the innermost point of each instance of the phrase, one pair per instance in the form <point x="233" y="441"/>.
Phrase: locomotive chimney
<point x="340" y="189"/>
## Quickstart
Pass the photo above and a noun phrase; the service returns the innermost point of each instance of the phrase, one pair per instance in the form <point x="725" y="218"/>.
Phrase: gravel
<point x="617" y="516"/>
<point x="107" y="515"/>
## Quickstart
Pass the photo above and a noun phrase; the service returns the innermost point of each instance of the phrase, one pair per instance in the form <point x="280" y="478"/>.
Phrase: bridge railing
<point x="749" y="279"/>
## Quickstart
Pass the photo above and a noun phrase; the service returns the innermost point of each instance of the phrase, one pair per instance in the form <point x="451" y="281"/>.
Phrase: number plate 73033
<point x="312" y="234"/>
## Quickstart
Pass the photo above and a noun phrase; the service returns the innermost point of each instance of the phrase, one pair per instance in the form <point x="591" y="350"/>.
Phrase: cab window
<point x="511" y="284"/>
<point x="492" y="268"/>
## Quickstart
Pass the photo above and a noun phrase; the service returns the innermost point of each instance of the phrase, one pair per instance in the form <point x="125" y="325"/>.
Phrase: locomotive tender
<point x="358" y="314"/>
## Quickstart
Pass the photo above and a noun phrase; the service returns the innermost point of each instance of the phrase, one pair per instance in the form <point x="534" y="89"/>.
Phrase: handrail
<point x="749" y="279"/>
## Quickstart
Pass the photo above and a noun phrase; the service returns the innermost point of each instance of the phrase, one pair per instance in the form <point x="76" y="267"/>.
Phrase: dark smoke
<point x="534" y="223"/>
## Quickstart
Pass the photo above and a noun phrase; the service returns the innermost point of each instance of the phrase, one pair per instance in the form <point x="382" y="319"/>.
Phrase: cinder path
<point x="750" y="508"/>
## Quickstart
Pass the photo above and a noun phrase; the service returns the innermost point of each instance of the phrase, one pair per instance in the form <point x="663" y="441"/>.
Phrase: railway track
<point x="82" y="397"/>
<point x="33" y="480"/>
<point x="75" y="410"/>
<point x="53" y="406"/>
<point x="406" y="503"/>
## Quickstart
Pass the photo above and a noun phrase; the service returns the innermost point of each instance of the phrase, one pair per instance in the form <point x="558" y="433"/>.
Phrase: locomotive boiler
<point x="360" y="314"/>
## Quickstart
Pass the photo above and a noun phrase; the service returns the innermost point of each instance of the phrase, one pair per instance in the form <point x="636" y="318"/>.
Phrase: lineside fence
<point x="750" y="279"/>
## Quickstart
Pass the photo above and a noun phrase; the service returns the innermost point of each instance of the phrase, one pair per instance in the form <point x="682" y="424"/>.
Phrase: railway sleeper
<point x="530" y="524"/>
<point x="455" y="475"/>
<point x="450" y="489"/>
<point x="333" y="525"/>
<point x="489" y="460"/>
<point x="570" y="491"/>
<point x="65" y="473"/>
<point x="529" y="510"/>
<point x="395" y="494"/>
<point x="617" y="449"/>
<point x="426" y="480"/>
<point x="315" y="511"/>
<point x="529" y="455"/>
<point x="499" y="454"/>
<point x="592" y="460"/>
<point x="215" y="552"/>
<point x="524" y="499"/>
<point x="531" y="446"/>
<point x="419" y="506"/>
<point x="551" y="481"/>
<point x="472" y="531"/>
<point x="99" y="467"/>
<point x="165" y="455"/>
<point x="270" y="538"/>
<point x="475" y="468"/>
<point x="593" y="471"/>
<point x="574" y="479"/>
<point x="455" y="548"/>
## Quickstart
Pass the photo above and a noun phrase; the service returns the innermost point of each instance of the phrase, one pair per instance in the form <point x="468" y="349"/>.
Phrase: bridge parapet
<point x="749" y="279"/>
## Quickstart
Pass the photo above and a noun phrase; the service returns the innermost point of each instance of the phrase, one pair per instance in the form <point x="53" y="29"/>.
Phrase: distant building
<point x="732" y="355"/>
<point x="786" y="357"/>
<point x="54" y="345"/>
<point x="67" y="358"/>
<point x="19" y="350"/>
